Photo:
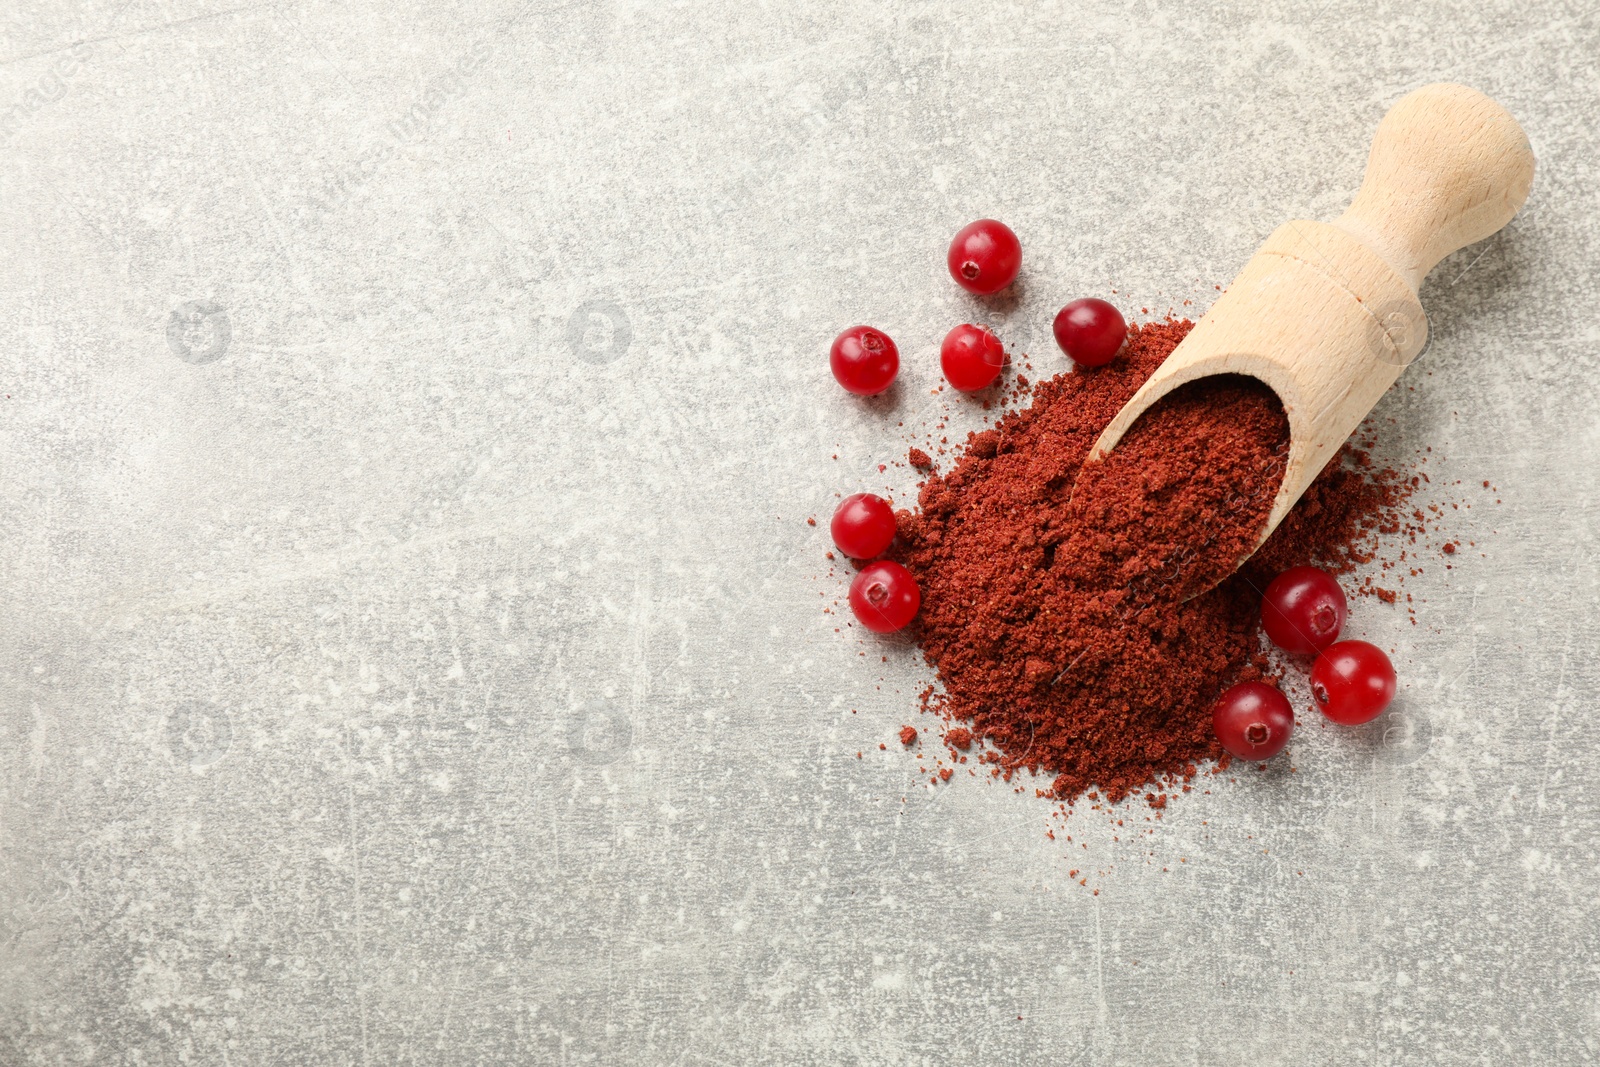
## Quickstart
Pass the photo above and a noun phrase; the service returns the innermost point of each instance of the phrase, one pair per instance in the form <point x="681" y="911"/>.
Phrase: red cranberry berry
<point x="863" y="526"/>
<point x="1253" y="721"/>
<point x="1352" y="682"/>
<point x="885" y="597"/>
<point x="1303" y="610"/>
<point x="985" y="257"/>
<point x="1090" y="332"/>
<point x="864" y="360"/>
<point x="971" y="357"/>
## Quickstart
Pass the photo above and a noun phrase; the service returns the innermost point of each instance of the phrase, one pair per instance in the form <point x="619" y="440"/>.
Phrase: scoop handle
<point x="1448" y="167"/>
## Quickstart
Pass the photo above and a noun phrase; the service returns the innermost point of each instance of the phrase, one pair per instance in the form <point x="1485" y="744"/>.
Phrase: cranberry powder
<point x="1063" y="623"/>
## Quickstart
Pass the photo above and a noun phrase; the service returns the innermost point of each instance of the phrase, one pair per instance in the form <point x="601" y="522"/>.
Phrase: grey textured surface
<point x="413" y="646"/>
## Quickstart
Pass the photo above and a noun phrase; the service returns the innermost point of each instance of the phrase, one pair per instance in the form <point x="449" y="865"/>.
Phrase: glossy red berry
<point x="862" y="526"/>
<point x="1352" y="682"/>
<point x="864" y="360"/>
<point x="1090" y="331"/>
<point x="1253" y="721"/>
<point x="1303" y="610"/>
<point x="971" y="357"/>
<point x="985" y="257"/>
<point x="885" y="597"/>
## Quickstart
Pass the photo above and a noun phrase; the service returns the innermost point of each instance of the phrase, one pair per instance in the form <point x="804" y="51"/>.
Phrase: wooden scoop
<point x="1327" y="315"/>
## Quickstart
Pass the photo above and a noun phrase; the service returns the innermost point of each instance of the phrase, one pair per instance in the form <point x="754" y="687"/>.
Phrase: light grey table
<point x="413" y="647"/>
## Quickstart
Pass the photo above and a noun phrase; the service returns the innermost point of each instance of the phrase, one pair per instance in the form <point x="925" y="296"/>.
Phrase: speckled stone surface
<point x="413" y="646"/>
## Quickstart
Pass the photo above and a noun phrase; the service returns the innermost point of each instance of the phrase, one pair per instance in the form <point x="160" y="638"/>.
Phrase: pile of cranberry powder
<point x="1060" y="613"/>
